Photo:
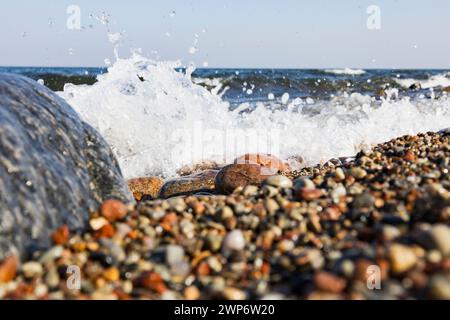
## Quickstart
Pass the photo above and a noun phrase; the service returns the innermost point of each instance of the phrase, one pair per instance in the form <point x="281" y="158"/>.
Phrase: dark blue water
<point x="253" y="85"/>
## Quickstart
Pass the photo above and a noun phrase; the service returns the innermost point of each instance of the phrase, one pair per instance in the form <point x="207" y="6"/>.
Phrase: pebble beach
<point x="230" y="233"/>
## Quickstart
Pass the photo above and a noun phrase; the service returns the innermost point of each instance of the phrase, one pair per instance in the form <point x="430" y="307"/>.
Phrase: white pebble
<point x="234" y="241"/>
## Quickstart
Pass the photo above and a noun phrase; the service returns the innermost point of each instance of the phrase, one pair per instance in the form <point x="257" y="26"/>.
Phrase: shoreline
<point x="315" y="237"/>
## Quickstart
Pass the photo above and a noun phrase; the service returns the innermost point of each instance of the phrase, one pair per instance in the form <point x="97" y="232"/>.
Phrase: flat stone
<point x="189" y="185"/>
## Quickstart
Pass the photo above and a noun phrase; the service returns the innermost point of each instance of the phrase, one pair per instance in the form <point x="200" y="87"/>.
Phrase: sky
<point x="230" y="33"/>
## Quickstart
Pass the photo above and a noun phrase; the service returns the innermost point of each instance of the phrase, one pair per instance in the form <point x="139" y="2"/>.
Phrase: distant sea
<point x="253" y="85"/>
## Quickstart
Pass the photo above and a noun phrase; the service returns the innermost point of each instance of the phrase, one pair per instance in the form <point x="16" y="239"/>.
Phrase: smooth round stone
<point x="358" y="173"/>
<point x="234" y="241"/>
<point x="339" y="174"/>
<point x="402" y="258"/>
<point x="189" y="185"/>
<point x="338" y="192"/>
<point x="234" y="176"/>
<point x="32" y="269"/>
<point x="113" y="249"/>
<point x="364" y="200"/>
<point x="439" y="287"/>
<point x="250" y="191"/>
<point x="177" y="204"/>
<point x="279" y="182"/>
<point x="389" y="233"/>
<point x="437" y="237"/>
<point x="174" y="254"/>
<point x="52" y="254"/>
<point x="441" y="237"/>
<point x="303" y="183"/>
<point x="230" y="293"/>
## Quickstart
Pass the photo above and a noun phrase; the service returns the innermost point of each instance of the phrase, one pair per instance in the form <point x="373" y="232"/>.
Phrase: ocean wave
<point x="440" y="80"/>
<point x="158" y="120"/>
<point x="346" y="71"/>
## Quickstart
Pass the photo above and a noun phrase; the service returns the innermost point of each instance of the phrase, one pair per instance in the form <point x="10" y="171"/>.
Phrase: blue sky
<point x="231" y="33"/>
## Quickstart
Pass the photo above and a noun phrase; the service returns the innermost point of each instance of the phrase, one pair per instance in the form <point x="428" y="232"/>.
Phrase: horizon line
<point x="234" y="68"/>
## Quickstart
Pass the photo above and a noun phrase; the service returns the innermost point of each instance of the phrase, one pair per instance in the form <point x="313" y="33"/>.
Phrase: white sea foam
<point x="158" y="125"/>
<point x="346" y="71"/>
<point x="440" y="80"/>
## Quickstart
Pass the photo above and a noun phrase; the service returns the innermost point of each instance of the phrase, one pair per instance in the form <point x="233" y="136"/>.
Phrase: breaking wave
<point x="158" y="120"/>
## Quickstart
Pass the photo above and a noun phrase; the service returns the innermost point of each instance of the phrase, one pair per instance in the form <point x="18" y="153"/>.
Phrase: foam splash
<point x="156" y="119"/>
<point x="346" y="71"/>
<point x="440" y="80"/>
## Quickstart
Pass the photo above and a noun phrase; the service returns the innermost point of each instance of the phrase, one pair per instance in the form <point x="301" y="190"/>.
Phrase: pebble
<point x="303" y="183"/>
<point x="230" y="293"/>
<point x="61" y="235"/>
<point x="52" y="278"/>
<point x="113" y="210"/>
<point x="51" y="255"/>
<point x="339" y="174"/>
<point x="338" y="192"/>
<point x="98" y="223"/>
<point x="328" y="282"/>
<point x="113" y="249"/>
<point x="174" y="254"/>
<point x="269" y="191"/>
<point x="402" y="258"/>
<point x="310" y="194"/>
<point x="440" y="234"/>
<point x="390" y="233"/>
<point x="234" y="241"/>
<point x="358" y="173"/>
<point x="177" y="204"/>
<point x="271" y="206"/>
<point x="238" y="175"/>
<point x="439" y="287"/>
<point x="279" y="182"/>
<point x="250" y="191"/>
<point x="32" y="269"/>
<point x="8" y="269"/>
<point x="363" y="201"/>
<point x="192" y="293"/>
<point x="112" y="274"/>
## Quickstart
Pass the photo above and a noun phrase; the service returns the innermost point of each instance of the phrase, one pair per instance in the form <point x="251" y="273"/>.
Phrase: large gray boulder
<point x="54" y="168"/>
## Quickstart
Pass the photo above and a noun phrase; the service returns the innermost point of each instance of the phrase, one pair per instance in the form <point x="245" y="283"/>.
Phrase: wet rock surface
<point x="239" y="175"/>
<point x="54" y="168"/>
<point x="190" y="184"/>
<point x="147" y="187"/>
